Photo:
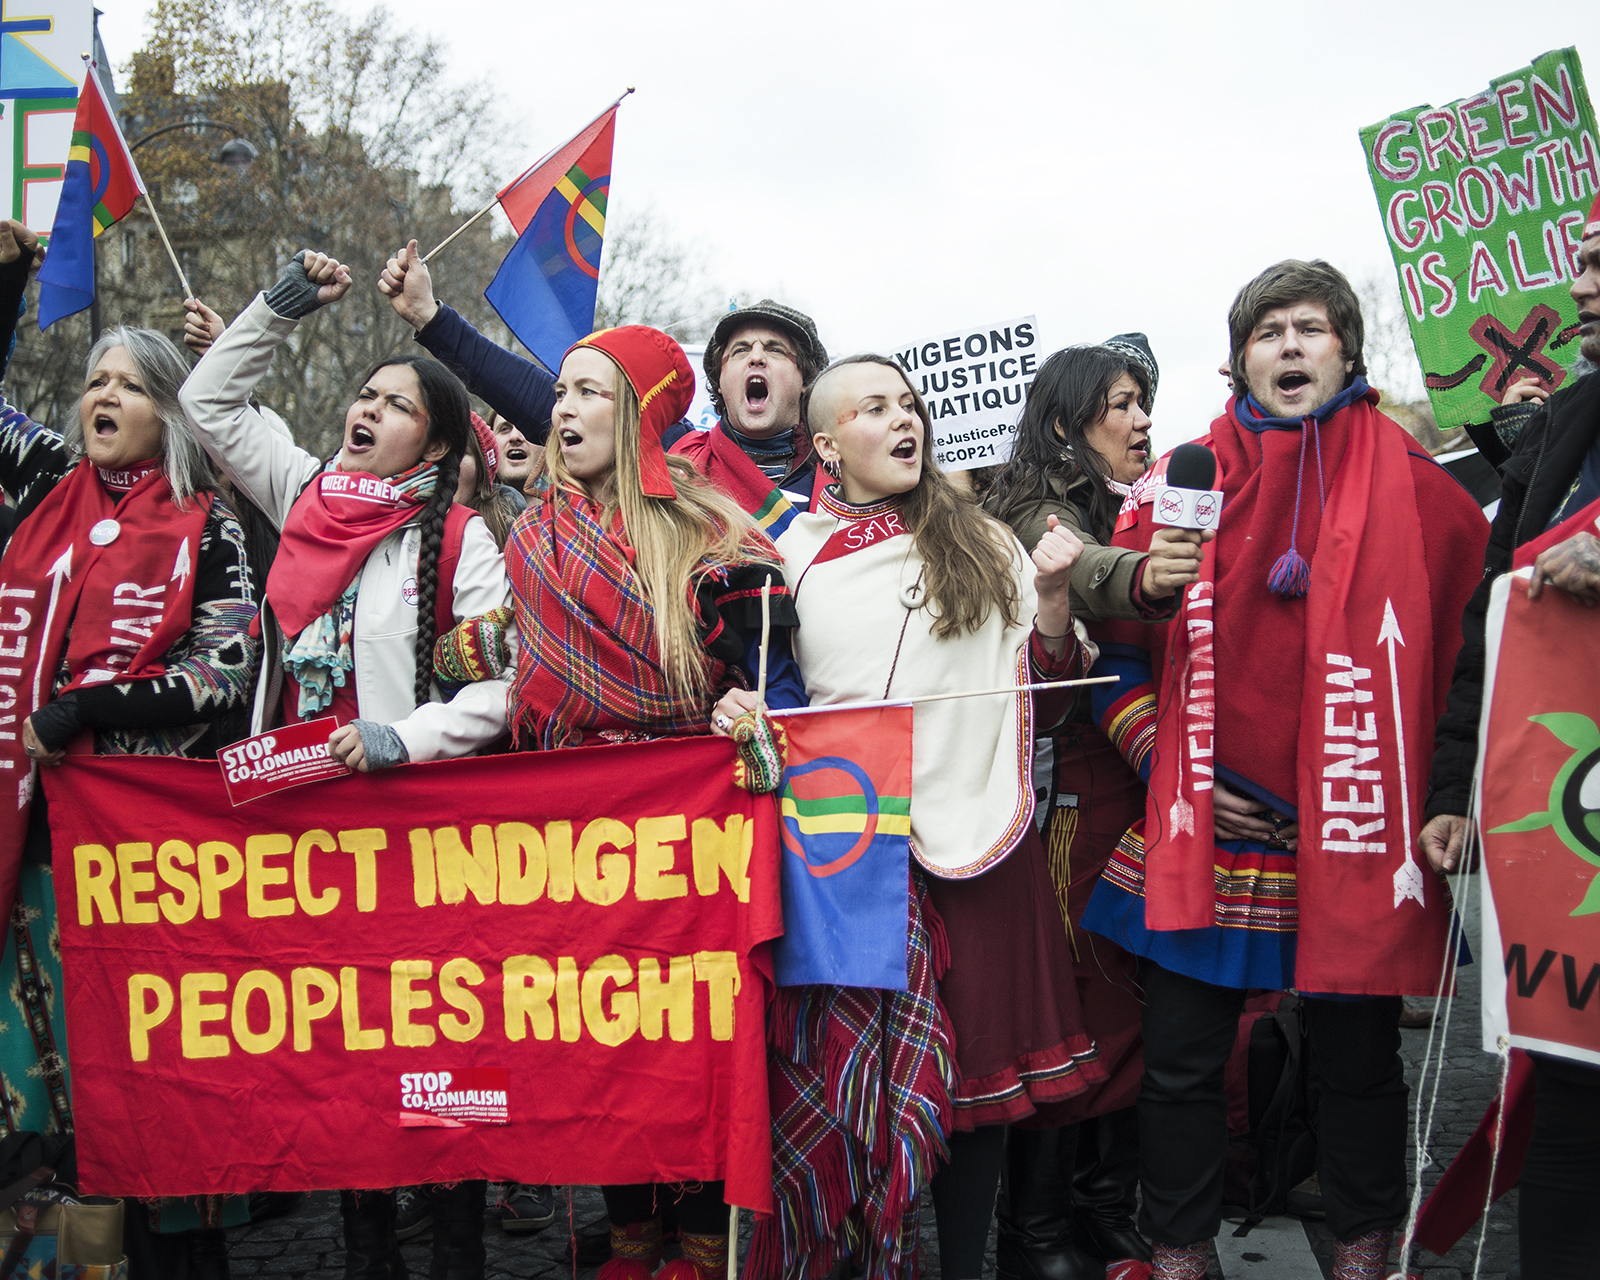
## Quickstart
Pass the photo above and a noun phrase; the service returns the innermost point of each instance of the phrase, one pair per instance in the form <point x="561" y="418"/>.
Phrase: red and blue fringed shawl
<point x="861" y="1083"/>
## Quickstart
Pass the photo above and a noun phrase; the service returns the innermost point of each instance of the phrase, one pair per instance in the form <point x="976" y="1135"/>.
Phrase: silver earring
<point x="831" y="466"/>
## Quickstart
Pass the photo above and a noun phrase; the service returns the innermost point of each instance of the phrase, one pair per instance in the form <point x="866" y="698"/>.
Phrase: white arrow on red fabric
<point x="1408" y="880"/>
<point x="180" y="566"/>
<point x="60" y="571"/>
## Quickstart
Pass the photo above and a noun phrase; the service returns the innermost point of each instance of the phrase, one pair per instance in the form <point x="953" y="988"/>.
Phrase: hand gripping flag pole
<point x="526" y="173"/>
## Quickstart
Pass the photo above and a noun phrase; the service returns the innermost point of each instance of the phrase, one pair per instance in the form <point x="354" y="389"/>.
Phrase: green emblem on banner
<point x="1574" y="809"/>
<point x="1483" y="204"/>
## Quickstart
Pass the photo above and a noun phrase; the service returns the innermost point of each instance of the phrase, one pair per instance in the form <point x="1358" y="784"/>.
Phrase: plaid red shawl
<point x="861" y="1082"/>
<point x="589" y="658"/>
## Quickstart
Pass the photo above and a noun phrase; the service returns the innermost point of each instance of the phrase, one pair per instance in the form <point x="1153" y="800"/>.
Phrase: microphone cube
<point x="1187" y="508"/>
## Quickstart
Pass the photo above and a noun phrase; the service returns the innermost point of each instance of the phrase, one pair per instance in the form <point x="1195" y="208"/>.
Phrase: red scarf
<point x="589" y="657"/>
<point x="113" y="607"/>
<point x="1238" y="657"/>
<point x="331" y="530"/>
<point x="718" y="457"/>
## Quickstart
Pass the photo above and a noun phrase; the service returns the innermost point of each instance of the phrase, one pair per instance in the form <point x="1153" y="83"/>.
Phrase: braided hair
<point x="449" y="412"/>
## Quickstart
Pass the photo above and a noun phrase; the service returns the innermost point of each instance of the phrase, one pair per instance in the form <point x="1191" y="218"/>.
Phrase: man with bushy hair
<point x="1286" y="723"/>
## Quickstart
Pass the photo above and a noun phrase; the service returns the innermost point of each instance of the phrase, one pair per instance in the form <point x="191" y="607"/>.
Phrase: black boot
<point x="1104" y="1187"/>
<point x="458" y="1252"/>
<point x="208" y="1254"/>
<point x="371" y="1251"/>
<point x="1035" y="1239"/>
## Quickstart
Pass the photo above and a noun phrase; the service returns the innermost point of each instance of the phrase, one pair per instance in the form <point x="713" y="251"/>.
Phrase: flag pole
<point x="766" y="631"/>
<point x="496" y="200"/>
<point x="162" y="231"/>
<point x="943" y="697"/>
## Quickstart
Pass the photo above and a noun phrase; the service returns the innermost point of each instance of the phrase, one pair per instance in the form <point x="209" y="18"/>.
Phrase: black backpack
<point x="1272" y="1144"/>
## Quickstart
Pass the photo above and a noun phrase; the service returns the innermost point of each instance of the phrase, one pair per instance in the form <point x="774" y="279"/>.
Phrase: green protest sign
<point x="1483" y="203"/>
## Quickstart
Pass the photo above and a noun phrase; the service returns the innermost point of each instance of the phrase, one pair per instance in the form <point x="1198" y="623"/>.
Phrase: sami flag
<point x="845" y="824"/>
<point x="545" y="289"/>
<point x="101" y="184"/>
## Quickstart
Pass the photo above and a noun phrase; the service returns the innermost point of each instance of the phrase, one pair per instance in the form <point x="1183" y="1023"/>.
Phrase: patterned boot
<point x="1364" y="1258"/>
<point x="635" y="1252"/>
<point x="1180" y="1262"/>
<point x="704" y="1258"/>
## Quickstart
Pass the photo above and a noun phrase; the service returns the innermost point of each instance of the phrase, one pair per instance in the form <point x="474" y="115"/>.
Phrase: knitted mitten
<point x="1364" y="1258"/>
<point x="477" y="649"/>
<point x="762" y="750"/>
<point x="1180" y="1262"/>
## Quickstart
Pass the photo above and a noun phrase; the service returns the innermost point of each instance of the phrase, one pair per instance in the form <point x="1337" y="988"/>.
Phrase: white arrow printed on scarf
<point x="59" y="571"/>
<point x="1408" y="880"/>
<point x="180" y="566"/>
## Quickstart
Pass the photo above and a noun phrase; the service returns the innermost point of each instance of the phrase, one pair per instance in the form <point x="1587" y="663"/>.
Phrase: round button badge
<point x="105" y="533"/>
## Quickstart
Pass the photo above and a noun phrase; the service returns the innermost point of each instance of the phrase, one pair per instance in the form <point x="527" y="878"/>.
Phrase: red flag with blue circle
<point x="100" y="186"/>
<point x="545" y="289"/>
<point x="845" y="809"/>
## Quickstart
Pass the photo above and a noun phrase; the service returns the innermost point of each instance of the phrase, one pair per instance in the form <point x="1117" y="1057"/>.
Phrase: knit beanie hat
<point x="661" y="378"/>
<point x="1136" y="347"/>
<point x="491" y="455"/>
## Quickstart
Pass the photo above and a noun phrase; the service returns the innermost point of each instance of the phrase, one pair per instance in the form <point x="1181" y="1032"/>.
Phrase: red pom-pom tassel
<point x="680" y="1269"/>
<point x="622" y="1269"/>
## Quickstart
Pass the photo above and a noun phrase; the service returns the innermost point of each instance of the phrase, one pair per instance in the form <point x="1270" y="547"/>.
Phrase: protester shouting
<point x="375" y="560"/>
<point x="518" y="454"/>
<point x="1272" y="854"/>
<point x="1552" y="475"/>
<point x="124" y="538"/>
<point x="1068" y="1191"/>
<point x="904" y="587"/>
<point x="478" y="488"/>
<point x="758" y="363"/>
<point x="638" y="602"/>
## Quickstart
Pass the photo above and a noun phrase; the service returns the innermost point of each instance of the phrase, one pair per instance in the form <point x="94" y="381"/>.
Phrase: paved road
<point x="307" y="1243"/>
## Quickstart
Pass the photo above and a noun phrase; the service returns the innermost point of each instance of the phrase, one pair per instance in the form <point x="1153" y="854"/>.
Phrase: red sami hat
<point x="660" y="375"/>
<point x="1592" y="226"/>
<point x="491" y="455"/>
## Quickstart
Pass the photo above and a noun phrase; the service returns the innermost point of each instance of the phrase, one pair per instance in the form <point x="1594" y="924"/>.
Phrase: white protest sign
<point x="974" y="382"/>
<point x="702" y="414"/>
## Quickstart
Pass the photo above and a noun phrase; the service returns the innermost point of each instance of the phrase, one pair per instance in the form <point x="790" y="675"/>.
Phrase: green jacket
<point x="1103" y="578"/>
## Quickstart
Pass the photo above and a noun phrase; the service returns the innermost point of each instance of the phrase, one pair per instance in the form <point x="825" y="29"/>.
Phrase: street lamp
<point x="237" y="154"/>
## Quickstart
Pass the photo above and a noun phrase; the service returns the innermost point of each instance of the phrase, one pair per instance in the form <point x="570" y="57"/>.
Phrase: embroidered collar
<point x="832" y="502"/>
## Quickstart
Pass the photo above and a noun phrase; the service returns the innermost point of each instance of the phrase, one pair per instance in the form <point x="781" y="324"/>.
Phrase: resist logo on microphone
<point x="1187" y="508"/>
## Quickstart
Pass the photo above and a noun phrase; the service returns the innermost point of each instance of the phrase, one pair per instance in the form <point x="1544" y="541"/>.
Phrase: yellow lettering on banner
<point x="259" y="876"/>
<point x="522" y="863"/>
<point x="270" y="985"/>
<point x="355" y="1035"/>
<point x="460" y="870"/>
<point x="720" y="851"/>
<point x="95" y="869"/>
<point x="143" y="1020"/>
<point x="454" y="993"/>
<point x="214" y="879"/>
<point x="568" y="1012"/>
<point x="719" y="970"/>
<point x="424" y="887"/>
<point x="133" y="883"/>
<point x="312" y="904"/>
<point x="614" y="1028"/>
<point x="403" y="999"/>
<point x="673" y="997"/>
<point x="170" y="858"/>
<point x="602" y="878"/>
<point x="363" y="844"/>
<point x="196" y="1013"/>
<point x="306" y="1009"/>
<point x="527" y="983"/>
<point x="558" y="850"/>
<point x="655" y="857"/>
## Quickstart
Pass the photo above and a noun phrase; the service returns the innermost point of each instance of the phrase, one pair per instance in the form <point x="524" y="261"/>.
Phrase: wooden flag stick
<point x="944" y="697"/>
<point x="486" y="208"/>
<point x="766" y="631"/>
<point x="162" y="231"/>
<point x="733" y="1242"/>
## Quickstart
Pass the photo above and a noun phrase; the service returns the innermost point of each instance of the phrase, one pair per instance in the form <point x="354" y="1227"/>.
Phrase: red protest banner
<point x="1539" y="813"/>
<point x="547" y="968"/>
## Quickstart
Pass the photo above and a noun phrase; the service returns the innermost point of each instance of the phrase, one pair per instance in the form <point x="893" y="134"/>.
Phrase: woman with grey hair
<point x="125" y="603"/>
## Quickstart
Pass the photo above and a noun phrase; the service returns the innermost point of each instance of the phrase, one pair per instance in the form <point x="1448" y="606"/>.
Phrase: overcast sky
<point x="900" y="170"/>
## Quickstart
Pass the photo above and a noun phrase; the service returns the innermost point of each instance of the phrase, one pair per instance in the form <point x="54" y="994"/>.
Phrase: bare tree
<point x="362" y="144"/>
<point x="1392" y="364"/>
<point x="649" y="276"/>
